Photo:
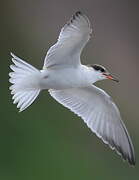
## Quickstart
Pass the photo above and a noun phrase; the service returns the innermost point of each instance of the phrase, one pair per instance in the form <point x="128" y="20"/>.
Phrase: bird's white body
<point x="71" y="84"/>
<point x="68" y="77"/>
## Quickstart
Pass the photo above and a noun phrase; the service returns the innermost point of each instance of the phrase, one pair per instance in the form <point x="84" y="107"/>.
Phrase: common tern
<point x="71" y="84"/>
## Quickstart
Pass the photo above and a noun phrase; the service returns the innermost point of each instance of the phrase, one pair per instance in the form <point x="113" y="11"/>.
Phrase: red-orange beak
<point x="109" y="76"/>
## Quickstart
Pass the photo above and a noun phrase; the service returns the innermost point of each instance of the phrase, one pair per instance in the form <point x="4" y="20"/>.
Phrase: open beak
<point x="109" y="76"/>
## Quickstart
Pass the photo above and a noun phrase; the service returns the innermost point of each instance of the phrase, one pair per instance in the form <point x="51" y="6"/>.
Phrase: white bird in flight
<point x="71" y="84"/>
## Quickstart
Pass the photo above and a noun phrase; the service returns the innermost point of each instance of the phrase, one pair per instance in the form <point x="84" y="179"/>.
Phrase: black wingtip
<point x="132" y="161"/>
<point x="131" y="157"/>
<point x="78" y="13"/>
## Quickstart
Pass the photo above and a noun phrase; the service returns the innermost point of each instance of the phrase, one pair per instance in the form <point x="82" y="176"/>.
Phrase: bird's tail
<point x="25" y="83"/>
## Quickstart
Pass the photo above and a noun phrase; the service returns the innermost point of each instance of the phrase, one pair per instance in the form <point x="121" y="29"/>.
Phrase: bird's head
<point x="102" y="73"/>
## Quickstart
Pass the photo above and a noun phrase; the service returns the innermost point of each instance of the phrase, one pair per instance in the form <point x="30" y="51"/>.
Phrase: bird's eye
<point x="102" y="70"/>
<point x="99" y="68"/>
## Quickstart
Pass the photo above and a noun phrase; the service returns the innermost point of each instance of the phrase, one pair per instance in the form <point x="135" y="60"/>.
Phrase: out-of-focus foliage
<point x="47" y="141"/>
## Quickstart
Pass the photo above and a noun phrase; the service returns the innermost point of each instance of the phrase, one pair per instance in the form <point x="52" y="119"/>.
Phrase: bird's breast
<point x="63" y="78"/>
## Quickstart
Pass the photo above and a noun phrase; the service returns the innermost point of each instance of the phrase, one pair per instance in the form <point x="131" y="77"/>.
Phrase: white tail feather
<point x="25" y="83"/>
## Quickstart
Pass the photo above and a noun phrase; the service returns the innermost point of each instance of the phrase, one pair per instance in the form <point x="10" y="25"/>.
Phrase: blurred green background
<point x="47" y="141"/>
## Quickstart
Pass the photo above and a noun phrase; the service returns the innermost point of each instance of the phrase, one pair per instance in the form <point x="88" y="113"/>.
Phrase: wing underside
<point x="101" y="115"/>
<point x="72" y="39"/>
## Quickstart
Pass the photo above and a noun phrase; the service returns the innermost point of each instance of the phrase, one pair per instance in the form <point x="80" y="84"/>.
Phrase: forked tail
<point x="25" y="83"/>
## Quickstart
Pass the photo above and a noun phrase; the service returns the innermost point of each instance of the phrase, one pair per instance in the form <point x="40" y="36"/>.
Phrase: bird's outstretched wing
<point x="72" y="39"/>
<point x="101" y="115"/>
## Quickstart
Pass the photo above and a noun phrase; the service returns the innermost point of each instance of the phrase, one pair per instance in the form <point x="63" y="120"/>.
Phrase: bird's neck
<point x="90" y="75"/>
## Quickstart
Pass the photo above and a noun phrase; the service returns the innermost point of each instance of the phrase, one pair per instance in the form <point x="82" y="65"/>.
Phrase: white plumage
<point x="72" y="39"/>
<point x="25" y="87"/>
<point x="100" y="114"/>
<point x="70" y="83"/>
